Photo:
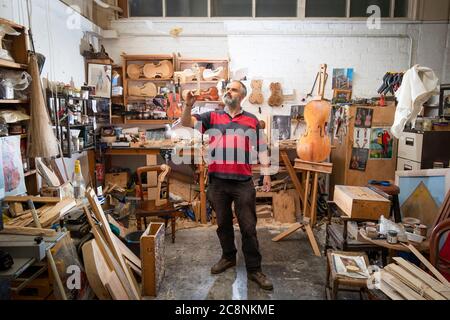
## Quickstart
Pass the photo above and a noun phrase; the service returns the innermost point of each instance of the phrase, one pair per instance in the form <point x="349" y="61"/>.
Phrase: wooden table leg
<point x="313" y="214"/>
<point x="293" y="175"/>
<point x="312" y="240"/>
<point x="305" y="206"/>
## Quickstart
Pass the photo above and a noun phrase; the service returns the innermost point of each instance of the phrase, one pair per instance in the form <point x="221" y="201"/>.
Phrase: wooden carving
<point x="315" y="145"/>
<point x="256" y="96"/>
<point x="147" y="90"/>
<point x="276" y="99"/>
<point x="162" y="69"/>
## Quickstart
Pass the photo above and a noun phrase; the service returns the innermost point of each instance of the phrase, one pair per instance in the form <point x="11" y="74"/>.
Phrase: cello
<point x="315" y="145"/>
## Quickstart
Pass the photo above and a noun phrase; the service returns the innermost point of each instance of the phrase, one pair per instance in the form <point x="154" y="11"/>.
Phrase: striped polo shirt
<point x="234" y="143"/>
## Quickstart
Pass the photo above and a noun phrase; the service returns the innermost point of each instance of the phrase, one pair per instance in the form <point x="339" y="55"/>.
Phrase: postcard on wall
<point x="359" y="159"/>
<point x="381" y="144"/>
<point x="363" y="118"/>
<point x="361" y="138"/>
<point x="13" y="176"/>
<point x="283" y="125"/>
<point x="343" y="79"/>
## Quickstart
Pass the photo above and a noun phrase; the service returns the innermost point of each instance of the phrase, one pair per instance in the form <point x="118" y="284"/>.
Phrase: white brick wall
<point x="290" y="51"/>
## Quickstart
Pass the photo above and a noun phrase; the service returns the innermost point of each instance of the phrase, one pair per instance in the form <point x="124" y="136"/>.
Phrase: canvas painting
<point x="343" y="79"/>
<point x="99" y="77"/>
<point x="283" y="126"/>
<point x="381" y="144"/>
<point x="13" y="176"/>
<point x="2" y="179"/>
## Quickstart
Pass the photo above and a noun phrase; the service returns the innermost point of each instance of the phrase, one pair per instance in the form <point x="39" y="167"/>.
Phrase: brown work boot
<point x="222" y="265"/>
<point x="261" y="279"/>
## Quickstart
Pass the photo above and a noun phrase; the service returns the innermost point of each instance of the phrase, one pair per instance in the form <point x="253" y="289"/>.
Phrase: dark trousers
<point x="222" y="193"/>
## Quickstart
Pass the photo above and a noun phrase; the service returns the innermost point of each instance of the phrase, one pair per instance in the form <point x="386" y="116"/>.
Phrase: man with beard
<point x="234" y="134"/>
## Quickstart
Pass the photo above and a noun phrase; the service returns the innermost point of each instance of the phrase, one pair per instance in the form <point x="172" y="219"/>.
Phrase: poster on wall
<point x="2" y="179"/>
<point x="381" y="144"/>
<point x="99" y="77"/>
<point x="359" y="159"/>
<point x="13" y="177"/>
<point x="361" y="138"/>
<point x="283" y="125"/>
<point x="343" y="79"/>
<point x="363" y="118"/>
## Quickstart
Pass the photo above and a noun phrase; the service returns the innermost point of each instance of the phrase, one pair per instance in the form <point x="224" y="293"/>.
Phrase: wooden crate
<point x="361" y="202"/>
<point x="152" y="257"/>
<point x="120" y="179"/>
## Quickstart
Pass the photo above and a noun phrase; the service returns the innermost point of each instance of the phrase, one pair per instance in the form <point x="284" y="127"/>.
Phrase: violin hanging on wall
<point x="315" y="145"/>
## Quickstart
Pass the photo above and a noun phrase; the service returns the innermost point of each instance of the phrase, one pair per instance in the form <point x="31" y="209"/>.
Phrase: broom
<point x="43" y="142"/>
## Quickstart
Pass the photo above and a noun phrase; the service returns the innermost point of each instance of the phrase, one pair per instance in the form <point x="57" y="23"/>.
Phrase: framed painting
<point x="99" y="78"/>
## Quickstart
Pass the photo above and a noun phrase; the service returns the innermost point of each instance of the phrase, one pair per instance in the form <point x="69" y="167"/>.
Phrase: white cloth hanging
<point x="418" y="85"/>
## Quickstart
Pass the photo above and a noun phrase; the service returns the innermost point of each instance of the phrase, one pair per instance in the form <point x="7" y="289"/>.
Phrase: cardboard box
<point x="361" y="202"/>
<point x="120" y="179"/>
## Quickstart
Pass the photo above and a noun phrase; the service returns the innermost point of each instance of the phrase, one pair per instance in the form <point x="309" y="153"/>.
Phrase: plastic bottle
<point x="79" y="186"/>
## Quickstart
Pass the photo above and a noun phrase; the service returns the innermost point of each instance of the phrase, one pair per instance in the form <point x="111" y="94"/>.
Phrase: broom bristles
<point x="42" y="141"/>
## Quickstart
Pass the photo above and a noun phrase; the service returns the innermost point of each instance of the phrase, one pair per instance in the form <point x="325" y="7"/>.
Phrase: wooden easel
<point x="309" y="216"/>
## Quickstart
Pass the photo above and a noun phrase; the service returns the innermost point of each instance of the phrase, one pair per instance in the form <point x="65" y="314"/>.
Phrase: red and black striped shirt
<point x="234" y="143"/>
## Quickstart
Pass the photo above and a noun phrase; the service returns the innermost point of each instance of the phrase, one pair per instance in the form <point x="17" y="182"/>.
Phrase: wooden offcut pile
<point x="52" y="210"/>
<point x="405" y="281"/>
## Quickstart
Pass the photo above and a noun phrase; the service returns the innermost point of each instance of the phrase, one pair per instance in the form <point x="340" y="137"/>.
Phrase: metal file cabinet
<point x="420" y="150"/>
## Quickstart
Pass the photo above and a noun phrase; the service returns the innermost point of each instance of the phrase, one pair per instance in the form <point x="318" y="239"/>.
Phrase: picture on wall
<point x="381" y="144"/>
<point x="13" y="176"/>
<point x="363" y="118"/>
<point x="361" y="138"/>
<point x="283" y="126"/>
<point x="359" y="159"/>
<point x="343" y="79"/>
<point x="99" y="77"/>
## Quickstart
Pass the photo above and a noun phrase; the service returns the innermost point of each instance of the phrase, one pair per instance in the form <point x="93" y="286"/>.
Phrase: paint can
<point x="392" y="237"/>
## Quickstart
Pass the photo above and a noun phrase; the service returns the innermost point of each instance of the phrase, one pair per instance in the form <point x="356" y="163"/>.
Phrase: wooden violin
<point x="315" y="145"/>
<point x="174" y="110"/>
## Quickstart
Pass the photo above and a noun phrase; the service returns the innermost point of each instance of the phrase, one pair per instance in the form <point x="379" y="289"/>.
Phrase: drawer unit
<point x="421" y="150"/>
<point x="405" y="165"/>
<point x="410" y="146"/>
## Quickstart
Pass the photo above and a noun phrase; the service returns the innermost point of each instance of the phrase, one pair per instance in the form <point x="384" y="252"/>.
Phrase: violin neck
<point x="322" y="80"/>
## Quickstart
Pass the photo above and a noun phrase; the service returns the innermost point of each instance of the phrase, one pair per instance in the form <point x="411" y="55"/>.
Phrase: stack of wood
<point x="113" y="270"/>
<point x="405" y="281"/>
<point x="51" y="212"/>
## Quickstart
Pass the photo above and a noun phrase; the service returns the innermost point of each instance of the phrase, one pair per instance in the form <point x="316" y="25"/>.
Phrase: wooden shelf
<point x="148" y="121"/>
<point x="147" y="57"/>
<point x="151" y="79"/>
<point x="12" y="65"/>
<point x="203" y="81"/>
<point x="2" y="101"/>
<point x="29" y="173"/>
<point x="136" y="98"/>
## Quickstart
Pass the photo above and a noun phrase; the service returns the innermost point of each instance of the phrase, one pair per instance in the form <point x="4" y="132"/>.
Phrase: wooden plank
<point x="108" y="255"/>
<point x="389" y="291"/>
<point x="293" y="175"/>
<point x="28" y="231"/>
<point x="414" y="283"/>
<point x="312" y="240"/>
<point x="127" y="253"/>
<point x="400" y="287"/>
<point x="100" y="215"/>
<point x="97" y="270"/>
<point x="428" y="264"/>
<point x="57" y="211"/>
<point x="284" y="207"/>
<point x="425" y="277"/>
<point x="32" y="198"/>
<point x="322" y="167"/>
<point x="288" y="232"/>
<point x="313" y="214"/>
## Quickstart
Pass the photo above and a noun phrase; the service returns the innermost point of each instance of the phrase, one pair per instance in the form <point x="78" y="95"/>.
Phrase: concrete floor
<point x="296" y="273"/>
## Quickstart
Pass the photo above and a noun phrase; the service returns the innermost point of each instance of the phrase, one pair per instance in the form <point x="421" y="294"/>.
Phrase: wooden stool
<point x="335" y="281"/>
